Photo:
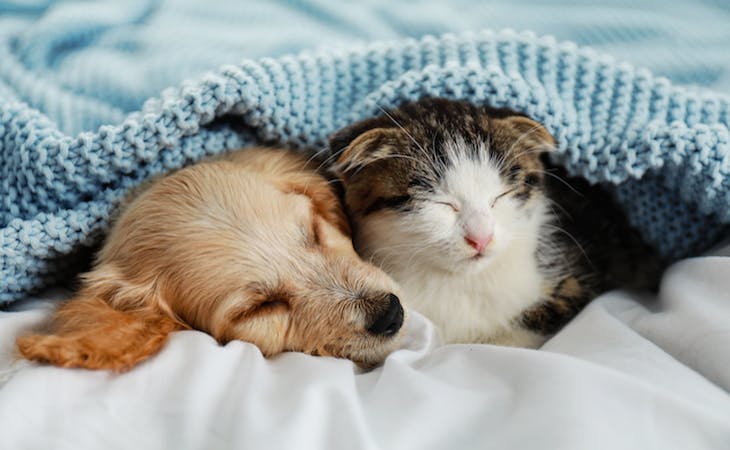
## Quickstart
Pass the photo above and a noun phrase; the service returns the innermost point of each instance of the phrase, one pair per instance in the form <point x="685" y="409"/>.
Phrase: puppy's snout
<point x="388" y="322"/>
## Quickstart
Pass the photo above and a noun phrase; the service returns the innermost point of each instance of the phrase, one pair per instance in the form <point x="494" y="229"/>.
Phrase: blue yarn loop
<point x="664" y="149"/>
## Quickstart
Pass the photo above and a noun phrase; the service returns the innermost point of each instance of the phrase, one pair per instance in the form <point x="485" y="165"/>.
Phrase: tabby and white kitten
<point x="454" y="201"/>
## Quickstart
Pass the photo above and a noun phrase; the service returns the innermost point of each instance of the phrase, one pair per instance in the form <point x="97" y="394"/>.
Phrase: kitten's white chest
<point x="478" y="307"/>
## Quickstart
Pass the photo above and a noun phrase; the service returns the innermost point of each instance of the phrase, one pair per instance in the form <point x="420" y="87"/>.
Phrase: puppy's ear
<point x="325" y="201"/>
<point x="87" y="332"/>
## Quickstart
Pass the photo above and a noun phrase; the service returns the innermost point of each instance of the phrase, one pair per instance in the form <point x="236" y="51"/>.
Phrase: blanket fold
<point x="664" y="150"/>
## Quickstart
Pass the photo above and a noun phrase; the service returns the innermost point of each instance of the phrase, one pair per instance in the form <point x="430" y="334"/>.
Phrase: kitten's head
<point x="442" y="183"/>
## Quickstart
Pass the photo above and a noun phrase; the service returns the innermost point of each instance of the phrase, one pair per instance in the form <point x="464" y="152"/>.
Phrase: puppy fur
<point x="253" y="246"/>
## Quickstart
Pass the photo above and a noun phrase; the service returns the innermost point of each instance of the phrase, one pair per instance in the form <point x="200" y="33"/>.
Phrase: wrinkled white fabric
<point x="628" y="373"/>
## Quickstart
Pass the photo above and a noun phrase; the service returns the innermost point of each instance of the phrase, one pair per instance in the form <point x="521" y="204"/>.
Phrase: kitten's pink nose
<point x="479" y="242"/>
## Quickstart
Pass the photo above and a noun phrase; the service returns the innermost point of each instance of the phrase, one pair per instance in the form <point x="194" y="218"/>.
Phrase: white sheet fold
<point x="628" y="372"/>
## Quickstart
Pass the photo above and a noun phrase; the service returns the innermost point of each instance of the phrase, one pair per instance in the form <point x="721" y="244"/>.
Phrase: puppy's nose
<point x="389" y="322"/>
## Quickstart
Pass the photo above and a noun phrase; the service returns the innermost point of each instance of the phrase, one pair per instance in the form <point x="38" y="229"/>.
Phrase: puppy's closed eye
<point x="257" y="317"/>
<point x="273" y="304"/>
<point x="261" y="303"/>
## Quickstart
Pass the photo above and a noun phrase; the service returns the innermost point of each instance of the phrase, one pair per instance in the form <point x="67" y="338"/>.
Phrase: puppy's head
<point x="255" y="248"/>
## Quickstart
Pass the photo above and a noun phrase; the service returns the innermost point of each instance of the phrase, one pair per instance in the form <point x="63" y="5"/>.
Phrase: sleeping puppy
<point x="252" y="246"/>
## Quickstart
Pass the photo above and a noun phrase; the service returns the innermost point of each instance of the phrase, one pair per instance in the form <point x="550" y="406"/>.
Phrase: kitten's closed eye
<point x="494" y="202"/>
<point x="454" y="206"/>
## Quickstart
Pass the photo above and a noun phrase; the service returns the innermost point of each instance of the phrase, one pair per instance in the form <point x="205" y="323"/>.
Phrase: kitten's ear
<point x="362" y="143"/>
<point x="340" y="140"/>
<point x="365" y="149"/>
<point x="531" y="132"/>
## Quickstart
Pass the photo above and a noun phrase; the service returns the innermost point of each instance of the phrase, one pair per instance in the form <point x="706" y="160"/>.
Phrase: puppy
<point x="251" y="246"/>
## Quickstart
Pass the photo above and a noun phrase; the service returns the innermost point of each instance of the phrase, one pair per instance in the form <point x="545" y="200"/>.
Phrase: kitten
<point x="454" y="201"/>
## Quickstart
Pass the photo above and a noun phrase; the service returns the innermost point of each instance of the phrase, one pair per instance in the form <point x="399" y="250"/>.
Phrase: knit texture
<point x="663" y="149"/>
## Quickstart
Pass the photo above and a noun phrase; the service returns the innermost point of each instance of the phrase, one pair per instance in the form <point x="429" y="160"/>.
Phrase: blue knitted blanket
<point x="82" y="120"/>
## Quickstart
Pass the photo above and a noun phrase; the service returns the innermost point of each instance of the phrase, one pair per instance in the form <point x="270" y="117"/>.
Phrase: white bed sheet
<point x="628" y="372"/>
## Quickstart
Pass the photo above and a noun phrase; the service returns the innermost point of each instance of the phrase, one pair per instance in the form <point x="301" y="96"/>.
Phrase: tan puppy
<point x="252" y="246"/>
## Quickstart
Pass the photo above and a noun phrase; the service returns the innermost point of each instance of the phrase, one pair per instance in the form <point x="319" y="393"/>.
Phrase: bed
<point x="629" y="372"/>
<point x="640" y="105"/>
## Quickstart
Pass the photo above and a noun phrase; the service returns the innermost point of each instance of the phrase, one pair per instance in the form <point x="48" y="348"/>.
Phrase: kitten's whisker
<point x="394" y="248"/>
<point x="550" y="174"/>
<point x="548" y="248"/>
<point x="385" y="262"/>
<point x="414" y="254"/>
<point x="314" y="155"/>
<point x="527" y="151"/>
<point x="546" y="241"/>
<point x="575" y="241"/>
<point x="403" y="129"/>
<point x="337" y="153"/>
<point x="552" y="204"/>
<point x="332" y="181"/>
<point x="319" y="167"/>
<point x="390" y="156"/>
<point x="433" y="147"/>
<point x="325" y="161"/>
<point x="523" y="136"/>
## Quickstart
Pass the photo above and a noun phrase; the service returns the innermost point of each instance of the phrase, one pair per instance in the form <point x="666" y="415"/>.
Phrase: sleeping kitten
<point x="454" y="201"/>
